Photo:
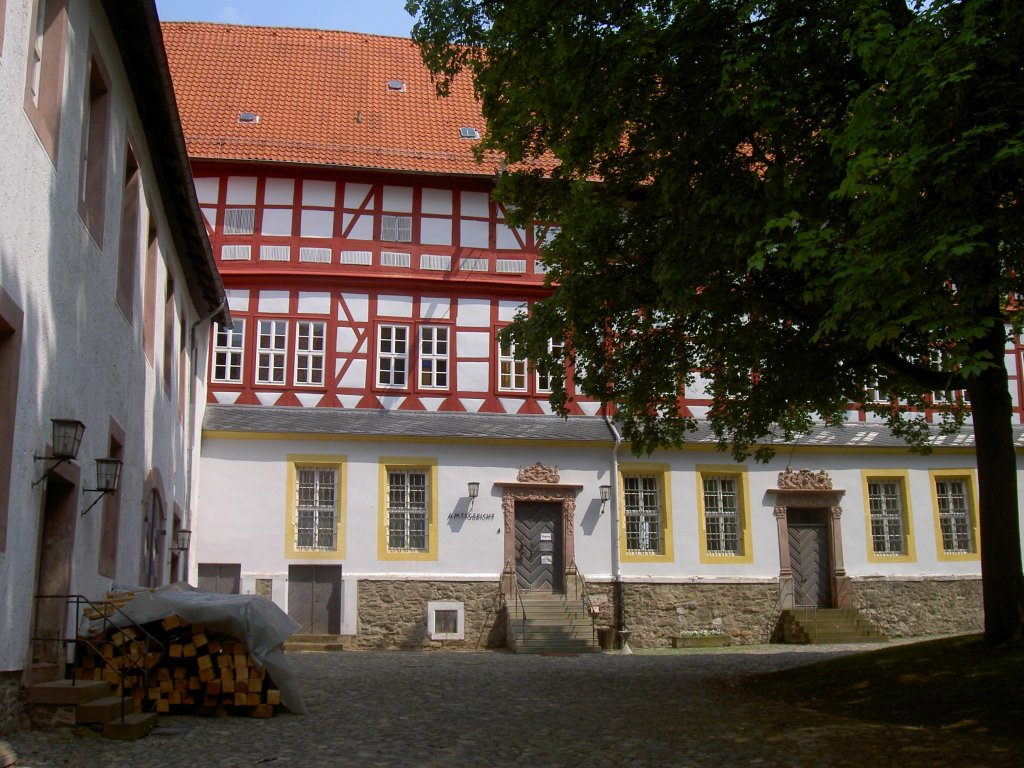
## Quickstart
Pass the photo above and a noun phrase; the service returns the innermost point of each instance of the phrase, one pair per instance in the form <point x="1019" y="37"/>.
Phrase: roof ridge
<point x="228" y="25"/>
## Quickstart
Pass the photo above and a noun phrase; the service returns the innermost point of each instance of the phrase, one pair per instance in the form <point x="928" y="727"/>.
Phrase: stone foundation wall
<point x="393" y="614"/>
<point x="655" y="613"/>
<point x="10" y="705"/>
<point x="910" y="608"/>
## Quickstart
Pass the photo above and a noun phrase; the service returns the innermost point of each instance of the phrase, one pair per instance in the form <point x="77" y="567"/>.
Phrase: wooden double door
<point x="314" y="598"/>
<point x="539" y="546"/>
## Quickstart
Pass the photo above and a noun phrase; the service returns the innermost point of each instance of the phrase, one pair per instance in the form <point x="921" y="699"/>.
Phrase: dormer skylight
<point x="469" y="133"/>
<point x="248" y="117"/>
<point x="398" y="86"/>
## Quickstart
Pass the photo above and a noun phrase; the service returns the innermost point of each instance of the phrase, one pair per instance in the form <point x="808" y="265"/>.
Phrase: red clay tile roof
<point x="322" y="98"/>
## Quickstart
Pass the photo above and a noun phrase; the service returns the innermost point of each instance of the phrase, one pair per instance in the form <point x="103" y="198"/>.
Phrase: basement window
<point x="446" y="620"/>
<point x="469" y="133"/>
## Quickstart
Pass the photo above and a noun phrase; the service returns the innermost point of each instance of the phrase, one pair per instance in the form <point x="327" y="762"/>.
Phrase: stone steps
<point x="550" y="624"/>
<point x="827" y="625"/>
<point x="65" y="703"/>
<point x="305" y="643"/>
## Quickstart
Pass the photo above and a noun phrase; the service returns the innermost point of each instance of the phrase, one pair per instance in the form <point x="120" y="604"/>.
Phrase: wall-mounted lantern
<point x="108" y="474"/>
<point x="65" y="442"/>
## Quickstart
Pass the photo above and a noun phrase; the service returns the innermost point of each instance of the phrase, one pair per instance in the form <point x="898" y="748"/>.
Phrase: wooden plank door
<point x="223" y="578"/>
<point x="809" y="559"/>
<point x="539" y="546"/>
<point x="314" y="598"/>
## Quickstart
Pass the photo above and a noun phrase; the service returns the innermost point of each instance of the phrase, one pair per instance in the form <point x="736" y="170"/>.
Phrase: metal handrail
<point x="580" y="584"/>
<point x="103" y="614"/>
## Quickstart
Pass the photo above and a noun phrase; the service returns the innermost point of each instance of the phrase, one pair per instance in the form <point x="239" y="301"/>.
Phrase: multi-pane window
<point x="271" y="344"/>
<point x="396" y="229"/>
<point x="316" y="508"/>
<point x="407" y="509"/>
<point x="544" y="380"/>
<point x="643" y="514"/>
<point x="721" y="516"/>
<point x="309" y="353"/>
<point x="228" y="351"/>
<point x="954" y="516"/>
<point x="885" y="500"/>
<point x="511" y="369"/>
<point x="433" y="357"/>
<point x="392" y="355"/>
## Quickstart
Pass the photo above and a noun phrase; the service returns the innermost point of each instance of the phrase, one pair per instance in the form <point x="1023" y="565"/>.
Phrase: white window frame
<point x="396" y="229"/>
<point x="271" y="351"/>
<point x="309" y="357"/>
<point x="722" y="515"/>
<point x="954" y="515"/>
<point x="433" y="606"/>
<point x="229" y="352"/>
<point x="316" y="508"/>
<point x="544" y="382"/>
<point x="886" y="506"/>
<point x="435" y="346"/>
<point x="642" y="505"/>
<point x="511" y="369"/>
<point x="408" y="509"/>
<point x="393" y="356"/>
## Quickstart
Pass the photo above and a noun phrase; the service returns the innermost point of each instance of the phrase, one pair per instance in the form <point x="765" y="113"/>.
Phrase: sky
<point x="379" y="17"/>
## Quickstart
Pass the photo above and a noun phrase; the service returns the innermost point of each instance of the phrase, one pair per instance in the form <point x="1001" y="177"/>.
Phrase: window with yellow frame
<point x="315" y="505"/>
<point x="646" y="520"/>
<point x="724" y="513"/>
<point x="887" y="515"/>
<point x="407" y="508"/>
<point x="955" y="508"/>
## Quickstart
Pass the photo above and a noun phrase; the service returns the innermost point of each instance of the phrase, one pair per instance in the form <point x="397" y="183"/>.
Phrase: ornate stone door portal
<point x="808" y="514"/>
<point x="536" y="496"/>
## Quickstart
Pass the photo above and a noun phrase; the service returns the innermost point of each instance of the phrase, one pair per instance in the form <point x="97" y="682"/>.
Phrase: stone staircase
<point x="552" y="623"/>
<point x="314" y="643"/>
<point x="54" y="703"/>
<point x="827" y="625"/>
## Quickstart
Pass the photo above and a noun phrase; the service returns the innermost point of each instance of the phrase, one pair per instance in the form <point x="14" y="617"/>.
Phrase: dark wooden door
<point x="539" y="545"/>
<point x="314" y="598"/>
<point x="222" y="578"/>
<point x="809" y="559"/>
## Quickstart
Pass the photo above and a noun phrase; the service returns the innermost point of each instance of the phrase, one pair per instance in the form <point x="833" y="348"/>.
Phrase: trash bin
<point x="606" y="638"/>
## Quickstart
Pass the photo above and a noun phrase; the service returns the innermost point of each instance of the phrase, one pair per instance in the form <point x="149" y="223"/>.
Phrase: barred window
<point x="228" y="350"/>
<point x="954" y="516"/>
<point x="407" y="510"/>
<point x="885" y="500"/>
<point x="270" y="351"/>
<point x="309" y="353"/>
<point x="434" y="357"/>
<point x="721" y="516"/>
<point x="392" y="355"/>
<point x="316" y="518"/>
<point x="643" y="514"/>
<point x="511" y="369"/>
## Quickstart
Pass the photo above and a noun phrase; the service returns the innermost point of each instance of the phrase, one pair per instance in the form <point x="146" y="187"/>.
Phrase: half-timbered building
<point x="379" y="464"/>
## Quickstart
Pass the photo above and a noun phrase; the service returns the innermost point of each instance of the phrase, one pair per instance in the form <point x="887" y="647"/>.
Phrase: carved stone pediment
<point x="804" y="480"/>
<point x="538" y="473"/>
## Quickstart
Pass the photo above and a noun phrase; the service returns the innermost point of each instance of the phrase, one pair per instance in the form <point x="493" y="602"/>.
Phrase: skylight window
<point x="396" y="85"/>
<point x="469" y="133"/>
<point x="248" y="117"/>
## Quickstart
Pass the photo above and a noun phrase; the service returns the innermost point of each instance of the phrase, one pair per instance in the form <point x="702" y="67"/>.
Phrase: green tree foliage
<point x="797" y="199"/>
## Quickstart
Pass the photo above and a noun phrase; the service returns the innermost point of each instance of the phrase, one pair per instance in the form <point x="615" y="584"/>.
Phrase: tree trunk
<point x="998" y="515"/>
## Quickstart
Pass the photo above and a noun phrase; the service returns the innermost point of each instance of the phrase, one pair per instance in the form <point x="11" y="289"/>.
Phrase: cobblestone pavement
<point x="499" y="709"/>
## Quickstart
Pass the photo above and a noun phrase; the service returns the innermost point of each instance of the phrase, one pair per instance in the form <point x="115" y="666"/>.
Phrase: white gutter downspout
<point x="614" y="501"/>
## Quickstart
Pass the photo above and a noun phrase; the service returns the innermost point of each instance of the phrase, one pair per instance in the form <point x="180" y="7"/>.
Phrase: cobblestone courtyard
<point x="489" y="708"/>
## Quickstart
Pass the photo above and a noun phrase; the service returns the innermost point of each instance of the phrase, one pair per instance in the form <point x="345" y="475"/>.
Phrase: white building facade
<point x="107" y="294"/>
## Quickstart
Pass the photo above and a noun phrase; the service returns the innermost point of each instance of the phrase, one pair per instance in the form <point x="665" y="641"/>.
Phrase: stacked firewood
<point x="188" y="669"/>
